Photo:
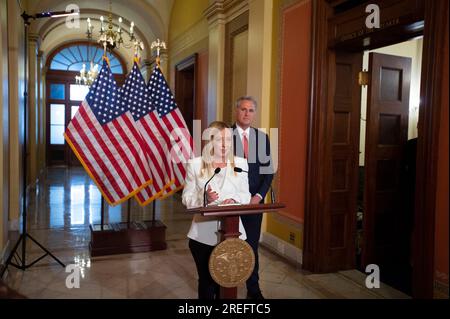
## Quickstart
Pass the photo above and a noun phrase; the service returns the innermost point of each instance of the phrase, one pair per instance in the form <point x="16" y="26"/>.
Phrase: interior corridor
<point x="66" y="202"/>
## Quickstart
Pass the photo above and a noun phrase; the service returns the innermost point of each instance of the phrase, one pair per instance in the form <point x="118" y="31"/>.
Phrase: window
<point x="57" y="120"/>
<point x="73" y="57"/>
<point x="57" y="91"/>
<point x="64" y="96"/>
<point x="78" y="92"/>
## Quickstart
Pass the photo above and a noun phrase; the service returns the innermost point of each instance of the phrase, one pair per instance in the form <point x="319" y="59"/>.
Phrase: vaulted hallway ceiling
<point x="151" y="18"/>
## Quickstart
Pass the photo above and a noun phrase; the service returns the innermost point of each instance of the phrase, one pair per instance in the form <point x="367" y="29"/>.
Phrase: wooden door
<point x="185" y="88"/>
<point x="386" y="137"/>
<point x="342" y="182"/>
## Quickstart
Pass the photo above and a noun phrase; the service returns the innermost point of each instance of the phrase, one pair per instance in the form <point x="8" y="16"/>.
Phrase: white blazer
<point x="227" y="184"/>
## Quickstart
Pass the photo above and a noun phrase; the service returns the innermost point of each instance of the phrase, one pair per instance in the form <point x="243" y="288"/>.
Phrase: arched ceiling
<point x="151" y="18"/>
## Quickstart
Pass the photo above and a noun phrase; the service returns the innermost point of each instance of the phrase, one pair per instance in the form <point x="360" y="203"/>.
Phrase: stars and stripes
<point x="104" y="136"/>
<point x="173" y="128"/>
<point x="136" y="98"/>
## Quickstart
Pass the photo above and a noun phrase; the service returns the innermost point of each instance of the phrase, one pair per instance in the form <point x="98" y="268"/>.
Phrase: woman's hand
<point x="229" y="201"/>
<point x="211" y="195"/>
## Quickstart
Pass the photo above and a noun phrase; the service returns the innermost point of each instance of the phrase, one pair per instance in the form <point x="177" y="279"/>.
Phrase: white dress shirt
<point x="241" y="133"/>
<point x="228" y="184"/>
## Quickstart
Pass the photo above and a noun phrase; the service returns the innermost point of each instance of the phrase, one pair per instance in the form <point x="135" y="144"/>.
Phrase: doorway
<point x="185" y="88"/>
<point x="388" y="147"/>
<point x="64" y="96"/>
<point x="330" y="221"/>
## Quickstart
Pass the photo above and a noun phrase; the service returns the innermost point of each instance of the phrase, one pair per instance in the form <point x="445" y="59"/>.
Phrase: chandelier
<point x="109" y="38"/>
<point x="87" y="77"/>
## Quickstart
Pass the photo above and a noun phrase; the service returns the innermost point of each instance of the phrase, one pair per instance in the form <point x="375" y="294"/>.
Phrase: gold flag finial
<point x="158" y="45"/>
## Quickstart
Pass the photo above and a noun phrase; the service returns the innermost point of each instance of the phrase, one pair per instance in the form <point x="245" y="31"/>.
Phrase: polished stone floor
<point x="66" y="202"/>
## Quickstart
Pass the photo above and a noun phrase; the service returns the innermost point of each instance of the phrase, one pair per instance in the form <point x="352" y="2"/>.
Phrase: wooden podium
<point x="230" y="225"/>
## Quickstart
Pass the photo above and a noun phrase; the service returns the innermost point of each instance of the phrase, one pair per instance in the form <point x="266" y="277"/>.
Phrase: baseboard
<point x="282" y="248"/>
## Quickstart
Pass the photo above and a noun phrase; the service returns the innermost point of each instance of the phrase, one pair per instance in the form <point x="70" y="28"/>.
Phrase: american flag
<point x="135" y="96"/>
<point x="105" y="139"/>
<point x="173" y="128"/>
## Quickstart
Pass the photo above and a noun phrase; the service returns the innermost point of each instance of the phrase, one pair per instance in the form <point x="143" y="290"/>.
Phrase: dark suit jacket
<point x="260" y="168"/>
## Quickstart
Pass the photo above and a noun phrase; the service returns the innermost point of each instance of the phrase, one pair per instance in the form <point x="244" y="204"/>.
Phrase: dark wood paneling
<point x="344" y="160"/>
<point x="398" y="19"/>
<point x="330" y="225"/>
<point x="435" y="39"/>
<point x="386" y="137"/>
<point x="202" y="91"/>
<point x="435" y="33"/>
<point x="314" y="250"/>
<point x="186" y="89"/>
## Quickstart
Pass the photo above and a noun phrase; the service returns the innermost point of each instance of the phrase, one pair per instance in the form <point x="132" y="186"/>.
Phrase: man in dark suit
<point x="253" y="145"/>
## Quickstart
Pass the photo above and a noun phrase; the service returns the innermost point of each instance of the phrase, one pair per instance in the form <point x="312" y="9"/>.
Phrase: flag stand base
<point x="125" y="237"/>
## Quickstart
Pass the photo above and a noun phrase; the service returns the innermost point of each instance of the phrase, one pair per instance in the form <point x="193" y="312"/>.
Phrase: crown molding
<point x="222" y="9"/>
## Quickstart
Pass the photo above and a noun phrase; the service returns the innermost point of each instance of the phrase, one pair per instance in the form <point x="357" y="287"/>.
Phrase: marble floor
<point x="66" y="202"/>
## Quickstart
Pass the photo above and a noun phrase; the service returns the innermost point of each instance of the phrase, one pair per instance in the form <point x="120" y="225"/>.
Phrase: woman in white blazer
<point x="227" y="187"/>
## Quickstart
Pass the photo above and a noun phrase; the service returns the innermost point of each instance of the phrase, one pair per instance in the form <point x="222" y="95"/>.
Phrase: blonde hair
<point x="208" y="152"/>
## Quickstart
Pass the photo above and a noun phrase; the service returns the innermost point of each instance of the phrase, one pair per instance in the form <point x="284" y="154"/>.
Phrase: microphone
<point x="239" y="170"/>
<point x="272" y="195"/>
<point x="205" y="201"/>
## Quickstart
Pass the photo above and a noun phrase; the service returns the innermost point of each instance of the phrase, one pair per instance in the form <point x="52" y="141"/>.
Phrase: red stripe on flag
<point x="135" y="153"/>
<point x="140" y="142"/>
<point x="178" y="119"/>
<point x="169" y="143"/>
<point x="123" y="154"/>
<point x="107" y="152"/>
<point x="93" y="171"/>
<point x="149" y="132"/>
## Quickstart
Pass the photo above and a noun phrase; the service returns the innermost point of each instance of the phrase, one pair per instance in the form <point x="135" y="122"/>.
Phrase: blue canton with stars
<point x="103" y="97"/>
<point x="134" y="94"/>
<point x="161" y="96"/>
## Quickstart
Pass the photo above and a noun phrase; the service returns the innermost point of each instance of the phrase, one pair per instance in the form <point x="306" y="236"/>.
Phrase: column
<point x="32" y="138"/>
<point x="259" y="57"/>
<point x="216" y="60"/>
<point x="16" y="81"/>
<point x="41" y="113"/>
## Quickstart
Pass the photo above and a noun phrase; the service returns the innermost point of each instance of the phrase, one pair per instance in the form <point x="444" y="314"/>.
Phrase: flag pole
<point x="102" y="213"/>
<point x="158" y="45"/>
<point x="129" y="213"/>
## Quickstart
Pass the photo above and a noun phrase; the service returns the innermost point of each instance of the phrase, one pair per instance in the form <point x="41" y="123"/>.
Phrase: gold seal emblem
<point x="231" y="262"/>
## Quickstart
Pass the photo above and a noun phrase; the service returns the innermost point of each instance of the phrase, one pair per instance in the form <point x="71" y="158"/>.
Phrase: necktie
<point x="245" y="144"/>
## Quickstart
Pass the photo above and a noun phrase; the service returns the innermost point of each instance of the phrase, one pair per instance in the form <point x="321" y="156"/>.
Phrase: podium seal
<point x="231" y="262"/>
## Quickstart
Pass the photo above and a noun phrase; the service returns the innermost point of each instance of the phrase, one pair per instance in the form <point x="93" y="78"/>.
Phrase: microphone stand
<point x="205" y="201"/>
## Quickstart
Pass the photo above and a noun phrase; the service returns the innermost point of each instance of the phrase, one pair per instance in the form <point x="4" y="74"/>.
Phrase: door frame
<point x="189" y="62"/>
<point x="315" y="252"/>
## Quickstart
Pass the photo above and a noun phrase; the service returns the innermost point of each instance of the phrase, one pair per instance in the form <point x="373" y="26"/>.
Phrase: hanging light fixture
<point x="111" y="38"/>
<point x="87" y="77"/>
